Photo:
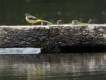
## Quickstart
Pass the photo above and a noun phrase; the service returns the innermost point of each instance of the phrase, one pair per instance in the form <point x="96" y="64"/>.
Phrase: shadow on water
<point x="83" y="49"/>
<point x="62" y="66"/>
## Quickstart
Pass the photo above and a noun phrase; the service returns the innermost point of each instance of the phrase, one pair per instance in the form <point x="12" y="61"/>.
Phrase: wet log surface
<point x="52" y="37"/>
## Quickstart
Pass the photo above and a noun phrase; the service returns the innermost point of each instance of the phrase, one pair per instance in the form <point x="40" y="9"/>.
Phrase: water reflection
<point x="20" y="50"/>
<point x="53" y="66"/>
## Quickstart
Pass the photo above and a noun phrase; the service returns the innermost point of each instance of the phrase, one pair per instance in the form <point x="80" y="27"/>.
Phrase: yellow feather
<point x="32" y="21"/>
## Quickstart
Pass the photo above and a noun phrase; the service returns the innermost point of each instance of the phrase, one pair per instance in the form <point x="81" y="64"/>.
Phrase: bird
<point x="32" y="19"/>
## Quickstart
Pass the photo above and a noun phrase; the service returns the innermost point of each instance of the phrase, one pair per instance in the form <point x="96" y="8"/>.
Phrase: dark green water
<point x="85" y="66"/>
<point x="11" y="11"/>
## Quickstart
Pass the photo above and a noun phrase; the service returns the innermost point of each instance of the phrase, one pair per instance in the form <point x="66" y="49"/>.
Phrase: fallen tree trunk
<point x="50" y="38"/>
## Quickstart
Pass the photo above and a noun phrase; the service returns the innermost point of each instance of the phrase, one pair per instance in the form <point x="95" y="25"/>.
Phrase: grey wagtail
<point x="32" y="19"/>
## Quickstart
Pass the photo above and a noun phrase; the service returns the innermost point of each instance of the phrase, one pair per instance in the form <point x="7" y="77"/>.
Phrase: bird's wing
<point x="32" y="17"/>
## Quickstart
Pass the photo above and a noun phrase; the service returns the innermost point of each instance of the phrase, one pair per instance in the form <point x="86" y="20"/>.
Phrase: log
<point x="51" y="37"/>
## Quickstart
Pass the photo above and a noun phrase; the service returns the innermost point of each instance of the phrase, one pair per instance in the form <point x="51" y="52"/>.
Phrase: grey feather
<point x="30" y="16"/>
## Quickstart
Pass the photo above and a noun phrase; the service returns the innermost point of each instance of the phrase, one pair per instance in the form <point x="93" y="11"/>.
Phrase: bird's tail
<point x="38" y="20"/>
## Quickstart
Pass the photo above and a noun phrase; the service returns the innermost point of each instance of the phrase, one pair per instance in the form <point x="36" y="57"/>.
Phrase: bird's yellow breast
<point x="32" y="21"/>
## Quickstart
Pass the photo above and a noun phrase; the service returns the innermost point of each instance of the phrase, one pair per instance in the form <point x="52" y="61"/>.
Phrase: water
<point x="12" y="11"/>
<point x="73" y="66"/>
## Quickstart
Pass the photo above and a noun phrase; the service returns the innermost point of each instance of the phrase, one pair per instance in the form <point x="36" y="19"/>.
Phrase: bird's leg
<point x="42" y="22"/>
